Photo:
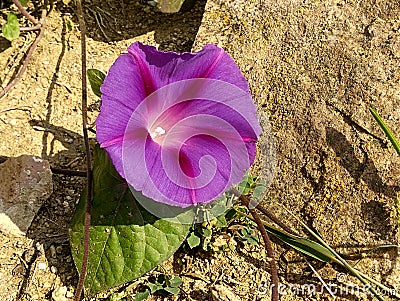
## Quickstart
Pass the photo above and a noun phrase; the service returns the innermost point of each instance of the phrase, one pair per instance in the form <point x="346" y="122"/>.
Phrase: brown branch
<point x="275" y="219"/>
<point x="30" y="28"/>
<point x="51" y="7"/>
<point x="263" y="210"/>
<point x="25" y="13"/>
<point x="86" y="235"/>
<point x="29" y="54"/>
<point x="268" y="248"/>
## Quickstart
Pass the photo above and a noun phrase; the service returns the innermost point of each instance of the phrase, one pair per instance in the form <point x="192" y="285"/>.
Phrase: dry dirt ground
<point x="314" y="67"/>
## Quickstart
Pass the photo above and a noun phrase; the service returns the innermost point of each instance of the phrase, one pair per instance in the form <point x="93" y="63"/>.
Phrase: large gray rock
<point x="26" y="182"/>
<point x="315" y="68"/>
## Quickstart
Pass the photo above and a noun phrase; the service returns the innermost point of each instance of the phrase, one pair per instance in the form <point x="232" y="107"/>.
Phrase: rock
<point x="26" y="184"/>
<point x="59" y="294"/>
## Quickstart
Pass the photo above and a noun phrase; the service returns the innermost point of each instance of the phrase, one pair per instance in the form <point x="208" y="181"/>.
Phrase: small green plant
<point x="206" y="234"/>
<point x="221" y="233"/>
<point x="117" y="297"/>
<point x="248" y="235"/>
<point x="396" y="146"/>
<point x="162" y="285"/>
<point x="220" y="217"/>
<point x="386" y="130"/>
<point x="11" y="29"/>
<point x="254" y="186"/>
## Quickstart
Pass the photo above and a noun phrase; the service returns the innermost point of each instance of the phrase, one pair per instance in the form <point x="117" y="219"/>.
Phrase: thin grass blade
<point x="387" y="131"/>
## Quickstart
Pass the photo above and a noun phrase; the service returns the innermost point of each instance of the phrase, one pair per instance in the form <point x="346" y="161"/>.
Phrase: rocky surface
<point x="315" y="68"/>
<point x="26" y="183"/>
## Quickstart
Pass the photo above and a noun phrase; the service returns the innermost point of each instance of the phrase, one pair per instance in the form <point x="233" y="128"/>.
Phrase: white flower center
<point x="158" y="131"/>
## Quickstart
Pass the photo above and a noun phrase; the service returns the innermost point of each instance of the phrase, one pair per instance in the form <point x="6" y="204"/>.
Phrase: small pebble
<point x="59" y="294"/>
<point x="40" y="248"/>
<point x="53" y="269"/>
<point x="42" y="265"/>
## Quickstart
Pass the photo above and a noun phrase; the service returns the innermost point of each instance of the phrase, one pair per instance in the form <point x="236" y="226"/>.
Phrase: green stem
<point x="387" y="131"/>
<point x="341" y="260"/>
<point x="383" y="287"/>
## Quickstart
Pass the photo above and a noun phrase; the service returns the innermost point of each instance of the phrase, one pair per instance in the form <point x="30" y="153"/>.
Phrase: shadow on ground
<point x="110" y="21"/>
<point x="50" y="226"/>
<point x="364" y="170"/>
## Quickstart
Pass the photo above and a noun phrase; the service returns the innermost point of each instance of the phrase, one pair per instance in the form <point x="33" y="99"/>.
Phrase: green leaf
<point x="387" y="131"/>
<point x="304" y="245"/>
<point x="175" y="282"/>
<point x="142" y="296"/>
<point x="70" y="26"/>
<point x="193" y="240"/>
<point x="221" y="222"/>
<point x="154" y="287"/>
<point x="11" y="28"/>
<point x="205" y="232"/>
<point x="126" y="241"/>
<point x="252" y="240"/>
<point x="96" y="78"/>
<point x="172" y="290"/>
<point x="259" y="192"/>
<point x="23" y="2"/>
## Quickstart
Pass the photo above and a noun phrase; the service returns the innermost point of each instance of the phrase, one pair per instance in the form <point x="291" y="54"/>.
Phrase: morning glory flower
<point x="180" y="128"/>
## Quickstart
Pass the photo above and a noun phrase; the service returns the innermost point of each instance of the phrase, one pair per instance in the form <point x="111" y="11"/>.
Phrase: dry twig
<point x="41" y="25"/>
<point x="268" y="247"/>
<point x="86" y="235"/>
<point x="25" y="13"/>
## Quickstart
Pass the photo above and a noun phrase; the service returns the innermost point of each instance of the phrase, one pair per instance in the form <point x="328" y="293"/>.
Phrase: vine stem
<point x="275" y="219"/>
<point x="31" y="28"/>
<point x="268" y="247"/>
<point x="28" y="57"/>
<point x="86" y="235"/>
<point x="25" y="13"/>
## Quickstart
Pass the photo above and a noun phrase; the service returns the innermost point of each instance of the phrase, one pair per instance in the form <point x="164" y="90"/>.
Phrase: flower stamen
<point x="157" y="133"/>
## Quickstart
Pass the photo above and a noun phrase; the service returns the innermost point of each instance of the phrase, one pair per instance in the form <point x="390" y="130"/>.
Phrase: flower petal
<point x="180" y="128"/>
<point x="205" y="146"/>
<point x="167" y="67"/>
<point x="122" y="91"/>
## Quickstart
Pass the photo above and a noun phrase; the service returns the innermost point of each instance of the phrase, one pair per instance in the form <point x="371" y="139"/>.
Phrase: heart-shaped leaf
<point x="126" y="241"/>
<point x="193" y="240"/>
<point x="96" y="78"/>
<point x="11" y="28"/>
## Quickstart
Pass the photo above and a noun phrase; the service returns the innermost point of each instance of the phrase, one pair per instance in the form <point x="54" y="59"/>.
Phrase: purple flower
<point x="180" y="128"/>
